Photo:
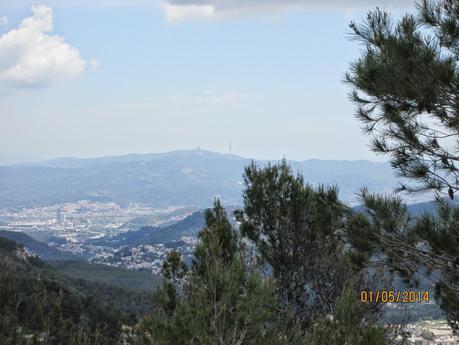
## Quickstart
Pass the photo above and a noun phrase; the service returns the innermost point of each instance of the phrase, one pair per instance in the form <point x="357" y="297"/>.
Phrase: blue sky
<point x="144" y="76"/>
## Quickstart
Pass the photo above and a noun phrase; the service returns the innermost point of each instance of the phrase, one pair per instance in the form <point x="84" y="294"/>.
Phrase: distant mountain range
<point x="179" y="178"/>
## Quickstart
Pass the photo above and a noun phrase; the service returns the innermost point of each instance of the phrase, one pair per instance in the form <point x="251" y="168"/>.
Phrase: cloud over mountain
<point x="32" y="57"/>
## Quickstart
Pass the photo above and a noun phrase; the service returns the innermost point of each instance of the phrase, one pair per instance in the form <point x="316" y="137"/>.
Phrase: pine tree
<point x="414" y="247"/>
<point x="294" y="229"/>
<point x="405" y="86"/>
<point x="223" y="302"/>
<point x="345" y="325"/>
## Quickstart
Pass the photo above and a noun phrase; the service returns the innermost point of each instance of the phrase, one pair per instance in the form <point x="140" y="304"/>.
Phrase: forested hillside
<point x="40" y="304"/>
<point x="142" y="281"/>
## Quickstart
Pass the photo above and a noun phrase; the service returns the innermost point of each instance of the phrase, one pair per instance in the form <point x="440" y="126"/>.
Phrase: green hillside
<point x="37" y="300"/>
<point x="118" y="277"/>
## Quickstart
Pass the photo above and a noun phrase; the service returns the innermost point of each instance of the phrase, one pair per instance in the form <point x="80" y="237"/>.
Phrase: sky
<point x="139" y="76"/>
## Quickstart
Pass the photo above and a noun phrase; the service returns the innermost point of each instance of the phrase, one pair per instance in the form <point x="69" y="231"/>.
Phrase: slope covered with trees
<point x="40" y="305"/>
<point x="114" y="276"/>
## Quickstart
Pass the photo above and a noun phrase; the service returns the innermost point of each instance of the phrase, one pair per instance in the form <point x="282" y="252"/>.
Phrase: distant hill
<point x="429" y="207"/>
<point x="114" y="276"/>
<point x="179" y="178"/>
<point x="420" y="208"/>
<point x="190" y="226"/>
<point x="42" y="250"/>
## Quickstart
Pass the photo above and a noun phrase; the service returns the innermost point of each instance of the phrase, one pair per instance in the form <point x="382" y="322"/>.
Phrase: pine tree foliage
<point x="414" y="247"/>
<point x="227" y="301"/>
<point x="345" y="327"/>
<point x="406" y="88"/>
<point x="223" y="302"/>
<point x="295" y="227"/>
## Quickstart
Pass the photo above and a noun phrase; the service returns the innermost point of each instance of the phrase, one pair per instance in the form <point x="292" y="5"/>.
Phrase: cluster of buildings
<point x="144" y="257"/>
<point x="72" y="226"/>
<point x="81" y="220"/>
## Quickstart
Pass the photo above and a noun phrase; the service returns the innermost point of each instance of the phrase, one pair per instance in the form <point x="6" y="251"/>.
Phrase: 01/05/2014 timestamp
<point x="391" y="296"/>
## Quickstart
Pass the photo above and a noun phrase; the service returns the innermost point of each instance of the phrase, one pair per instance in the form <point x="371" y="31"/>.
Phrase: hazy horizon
<point x="30" y="158"/>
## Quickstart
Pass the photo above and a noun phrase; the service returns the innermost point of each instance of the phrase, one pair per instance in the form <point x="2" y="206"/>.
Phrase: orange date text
<point x="391" y="296"/>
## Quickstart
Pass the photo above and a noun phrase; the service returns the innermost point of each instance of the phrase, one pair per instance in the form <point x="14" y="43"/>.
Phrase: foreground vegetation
<point x="40" y="305"/>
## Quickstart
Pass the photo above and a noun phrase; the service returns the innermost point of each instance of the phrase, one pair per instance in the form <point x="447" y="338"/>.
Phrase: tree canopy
<point x="405" y="87"/>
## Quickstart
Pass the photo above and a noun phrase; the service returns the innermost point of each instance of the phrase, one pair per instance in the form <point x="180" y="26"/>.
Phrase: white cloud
<point x="176" y="13"/>
<point x="176" y="10"/>
<point x="3" y="21"/>
<point x="32" y="57"/>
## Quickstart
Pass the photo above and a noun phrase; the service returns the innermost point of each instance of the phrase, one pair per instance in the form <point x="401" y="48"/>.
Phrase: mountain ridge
<point x="69" y="160"/>
<point x="178" y="178"/>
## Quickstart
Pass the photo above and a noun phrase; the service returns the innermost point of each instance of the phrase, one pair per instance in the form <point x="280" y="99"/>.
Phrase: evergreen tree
<point x="295" y="230"/>
<point x="223" y="302"/>
<point x="412" y="246"/>
<point x="406" y="88"/>
<point x="345" y="326"/>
